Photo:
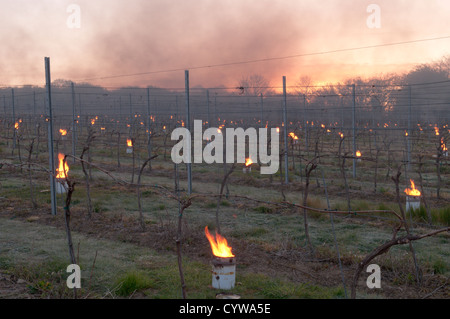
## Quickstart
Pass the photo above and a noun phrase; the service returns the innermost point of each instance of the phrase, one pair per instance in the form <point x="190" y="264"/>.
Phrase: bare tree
<point x="253" y="85"/>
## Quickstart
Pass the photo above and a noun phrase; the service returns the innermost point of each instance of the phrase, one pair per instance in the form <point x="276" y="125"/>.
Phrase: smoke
<point x="119" y="37"/>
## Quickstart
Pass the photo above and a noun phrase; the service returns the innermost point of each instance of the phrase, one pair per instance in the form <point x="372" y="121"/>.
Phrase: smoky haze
<point x="121" y="38"/>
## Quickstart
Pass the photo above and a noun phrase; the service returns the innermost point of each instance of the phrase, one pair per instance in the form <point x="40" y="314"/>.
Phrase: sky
<point x="116" y="43"/>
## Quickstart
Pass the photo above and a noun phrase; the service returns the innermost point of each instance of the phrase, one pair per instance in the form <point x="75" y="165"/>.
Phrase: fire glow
<point x="412" y="191"/>
<point x="219" y="245"/>
<point x="436" y="130"/>
<point x="248" y="162"/>
<point x="293" y="136"/>
<point x="443" y="147"/>
<point x="358" y="154"/>
<point x="63" y="168"/>
<point x="63" y="132"/>
<point x="129" y="143"/>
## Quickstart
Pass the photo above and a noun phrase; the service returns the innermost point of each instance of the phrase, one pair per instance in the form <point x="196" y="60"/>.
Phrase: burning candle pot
<point x="61" y="171"/>
<point x="444" y="148"/>
<point x="412" y="197"/>
<point x="294" y="138"/>
<point x="248" y="165"/>
<point x="129" y="146"/>
<point x="224" y="262"/>
<point x="63" y="133"/>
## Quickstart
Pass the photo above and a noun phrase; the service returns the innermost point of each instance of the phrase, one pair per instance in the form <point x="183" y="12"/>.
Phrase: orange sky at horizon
<point x="116" y="37"/>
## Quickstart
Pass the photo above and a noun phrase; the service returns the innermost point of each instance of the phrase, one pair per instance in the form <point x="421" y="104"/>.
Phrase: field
<point x="303" y="239"/>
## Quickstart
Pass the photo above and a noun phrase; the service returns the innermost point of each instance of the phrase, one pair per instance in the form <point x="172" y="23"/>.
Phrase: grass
<point x="124" y="270"/>
<point x="39" y="253"/>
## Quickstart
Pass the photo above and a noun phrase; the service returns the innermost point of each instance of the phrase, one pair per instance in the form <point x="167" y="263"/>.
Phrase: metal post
<point x="79" y="113"/>
<point x="149" y="145"/>
<point x="120" y="108"/>
<point x="305" y="122"/>
<point x="14" y="119"/>
<point x="131" y="118"/>
<point x="409" y="133"/>
<point x="4" y="106"/>
<point x="207" y="105"/>
<point x="188" y="126"/>
<point x="74" y="126"/>
<point x="286" y="162"/>
<point x="34" y="104"/>
<point x="354" y="130"/>
<point x="51" y="155"/>
<point x="177" y="117"/>
<point x="262" y="110"/>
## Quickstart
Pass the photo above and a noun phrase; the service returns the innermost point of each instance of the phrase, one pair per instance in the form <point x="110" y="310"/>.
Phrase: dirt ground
<point x="295" y="265"/>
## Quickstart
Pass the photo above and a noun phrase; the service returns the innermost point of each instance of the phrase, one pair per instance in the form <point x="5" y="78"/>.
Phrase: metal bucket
<point x="223" y="273"/>
<point x="60" y="186"/>
<point x="412" y="202"/>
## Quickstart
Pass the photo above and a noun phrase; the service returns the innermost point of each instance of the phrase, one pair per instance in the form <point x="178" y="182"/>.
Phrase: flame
<point x="341" y="135"/>
<point x="63" y="168"/>
<point x="443" y="147"/>
<point x="92" y="121"/>
<point x="16" y="125"/>
<point x="129" y="143"/>
<point x="294" y="137"/>
<point x="248" y="161"/>
<point x="436" y="129"/>
<point x="219" y="245"/>
<point x="412" y="191"/>
<point x="63" y="132"/>
<point x="358" y="154"/>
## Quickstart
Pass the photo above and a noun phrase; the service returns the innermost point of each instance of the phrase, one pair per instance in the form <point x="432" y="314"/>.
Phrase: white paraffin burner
<point x="129" y="150"/>
<point x="412" y="202"/>
<point x="61" y="186"/>
<point x="224" y="272"/>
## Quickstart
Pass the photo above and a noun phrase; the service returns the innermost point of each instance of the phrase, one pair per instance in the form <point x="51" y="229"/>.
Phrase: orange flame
<point x="16" y="125"/>
<point x="294" y="137"/>
<point x="341" y="135"/>
<point x="436" y="130"/>
<point x="129" y="143"/>
<point x="219" y="245"/>
<point x="63" y="168"/>
<point x="248" y="161"/>
<point x="412" y="191"/>
<point x="63" y="132"/>
<point x="92" y="121"/>
<point x="358" y="154"/>
<point x="443" y="147"/>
